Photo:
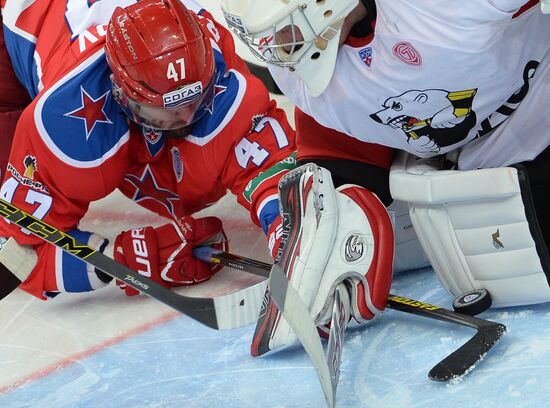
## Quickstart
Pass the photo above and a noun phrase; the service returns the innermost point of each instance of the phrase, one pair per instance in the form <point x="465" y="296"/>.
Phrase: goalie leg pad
<point x="329" y="236"/>
<point x="18" y="259"/>
<point x="363" y="251"/>
<point x="408" y="253"/>
<point x="309" y="218"/>
<point x="478" y="229"/>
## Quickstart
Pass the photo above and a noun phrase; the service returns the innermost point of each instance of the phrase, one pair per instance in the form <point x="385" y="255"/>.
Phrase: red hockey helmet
<point x="162" y="63"/>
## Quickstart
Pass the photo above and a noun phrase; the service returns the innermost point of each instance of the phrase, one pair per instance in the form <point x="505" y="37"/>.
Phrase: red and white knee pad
<point x="363" y="250"/>
<point x="353" y="242"/>
<point x="369" y="286"/>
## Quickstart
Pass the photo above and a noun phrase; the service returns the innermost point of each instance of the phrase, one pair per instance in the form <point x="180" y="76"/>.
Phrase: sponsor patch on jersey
<point x="30" y="166"/>
<point x="177" y="163"/>
<point x="283" y="166"/>
<point x="154" y="139"/>
<point x="366" y="56"/>
<point x="234" y="21"/>
<point x="152" y="135"/>
<point x="27" y="181"/>
<point x="407" y="53"/>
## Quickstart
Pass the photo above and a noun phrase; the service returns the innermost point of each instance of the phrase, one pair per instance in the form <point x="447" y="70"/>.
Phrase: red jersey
<point x="73" y="145"/>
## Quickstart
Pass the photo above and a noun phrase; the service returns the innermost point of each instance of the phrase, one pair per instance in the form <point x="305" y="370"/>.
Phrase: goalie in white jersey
<point x="463" y="88"/>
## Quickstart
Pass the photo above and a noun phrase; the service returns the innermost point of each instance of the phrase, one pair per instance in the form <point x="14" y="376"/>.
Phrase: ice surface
<point x="107" y="350"/>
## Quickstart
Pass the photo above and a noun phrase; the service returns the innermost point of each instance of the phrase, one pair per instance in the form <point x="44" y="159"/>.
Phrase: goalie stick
<point x="297" y="315"/>
<point x="221" y="313"/>
<point x="455" y="365"/>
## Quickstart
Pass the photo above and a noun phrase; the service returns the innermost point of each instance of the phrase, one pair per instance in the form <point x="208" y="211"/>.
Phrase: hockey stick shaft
<point x="297" y="315"/>
<point x="341" y="310"/>
<point x="400" y="303"/>
<point x="456" y="364"/>
<point x="428" y="310"/>
<point x="221" y="313"/>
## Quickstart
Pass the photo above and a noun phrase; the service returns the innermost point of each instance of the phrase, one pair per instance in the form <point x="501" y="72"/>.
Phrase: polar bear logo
<point x="437" y="117"/>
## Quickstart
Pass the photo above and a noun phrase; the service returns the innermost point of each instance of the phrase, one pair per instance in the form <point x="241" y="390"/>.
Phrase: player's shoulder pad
<point x="78" y="118"/>
<point x="230" y="88"/>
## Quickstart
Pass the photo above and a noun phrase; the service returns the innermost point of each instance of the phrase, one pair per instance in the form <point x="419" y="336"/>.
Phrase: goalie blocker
<point x="329" y="236"/>
<point x="478" y="228"/>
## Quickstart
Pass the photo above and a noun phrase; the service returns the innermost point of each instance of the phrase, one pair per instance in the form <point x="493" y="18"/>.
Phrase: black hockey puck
<point x="473" y="302"/>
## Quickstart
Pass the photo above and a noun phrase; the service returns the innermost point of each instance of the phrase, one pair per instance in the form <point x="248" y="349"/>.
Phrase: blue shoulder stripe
<point x="78" y="118"/>
<point x="21" y="52"/>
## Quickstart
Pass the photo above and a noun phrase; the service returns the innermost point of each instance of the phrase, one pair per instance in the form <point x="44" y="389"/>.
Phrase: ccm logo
<point x="140" y="251"/>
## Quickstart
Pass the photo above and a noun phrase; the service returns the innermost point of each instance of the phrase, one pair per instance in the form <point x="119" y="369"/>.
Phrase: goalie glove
<point x="164" y="254"/>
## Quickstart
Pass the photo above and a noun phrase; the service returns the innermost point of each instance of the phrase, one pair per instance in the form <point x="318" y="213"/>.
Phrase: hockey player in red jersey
<point x="464" y="85"/>
<point x="152" y="101"/>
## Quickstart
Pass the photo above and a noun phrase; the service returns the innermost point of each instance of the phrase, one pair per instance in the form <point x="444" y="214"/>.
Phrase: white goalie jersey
<point x="435" y="78"/>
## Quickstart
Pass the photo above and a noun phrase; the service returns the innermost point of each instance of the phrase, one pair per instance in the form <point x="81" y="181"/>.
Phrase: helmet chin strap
<point x="328" y="34"/>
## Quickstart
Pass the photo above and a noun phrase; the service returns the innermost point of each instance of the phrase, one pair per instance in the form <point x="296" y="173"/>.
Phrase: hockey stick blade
<point x="338" y="324"/>
<point x="8" y="282"/>
<point x="455" y="365"/>
<point x="464" y="359"/>
<point x="221" y="313"/>
<point x="297" y="316"/>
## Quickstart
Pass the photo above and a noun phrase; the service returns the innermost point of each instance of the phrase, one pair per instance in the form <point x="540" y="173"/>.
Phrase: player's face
<point x="160" y="117"/>
<point x="283" y="43"/>
<point x="290" y="38"/>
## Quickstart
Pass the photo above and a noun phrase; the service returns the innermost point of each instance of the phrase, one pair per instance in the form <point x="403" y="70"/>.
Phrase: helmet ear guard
<point x="162" y="63"/>
<point x="117" y="92"/>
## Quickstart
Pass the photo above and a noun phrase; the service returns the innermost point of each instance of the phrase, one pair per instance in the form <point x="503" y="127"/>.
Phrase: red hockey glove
<point x="164" y="254"/>
<point x="274" y="237"/>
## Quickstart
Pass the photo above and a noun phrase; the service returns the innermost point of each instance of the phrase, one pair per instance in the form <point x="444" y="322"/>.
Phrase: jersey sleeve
<point x="257" y="162"/>
<point x="70" y="148"/>
<point x="257" y="145"/>
<point x="255" y="151"/>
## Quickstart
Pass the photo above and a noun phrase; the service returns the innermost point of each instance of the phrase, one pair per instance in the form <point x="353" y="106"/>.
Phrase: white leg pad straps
<point x="408" y="252"/>
<point x="474" y="229"/>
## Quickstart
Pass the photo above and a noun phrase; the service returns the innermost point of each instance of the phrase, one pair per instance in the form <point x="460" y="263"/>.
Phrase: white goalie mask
<point x="301" y="35"/>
